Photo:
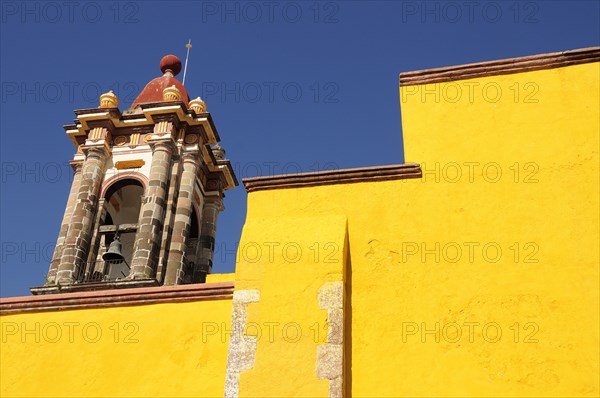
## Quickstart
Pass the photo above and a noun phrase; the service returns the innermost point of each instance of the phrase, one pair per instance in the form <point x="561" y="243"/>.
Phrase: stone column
<point x="148" y="237"/>
<point x="183" y="218"/>
<point x="212" y="206"/>
<point x="66" y="220"/>
<point x="77" y="240"/>
<point x="169" y="220"/>
<point x="95" y="241"/>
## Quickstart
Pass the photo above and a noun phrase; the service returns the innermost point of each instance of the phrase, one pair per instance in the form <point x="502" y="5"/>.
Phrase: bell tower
<point x="148" y="186"/>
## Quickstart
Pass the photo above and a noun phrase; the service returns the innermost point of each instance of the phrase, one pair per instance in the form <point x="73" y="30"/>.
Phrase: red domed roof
<point x="153" y="92"/>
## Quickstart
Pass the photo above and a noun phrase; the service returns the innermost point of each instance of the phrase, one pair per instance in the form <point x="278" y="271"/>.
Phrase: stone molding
<point x="330" y="177"/>
<point x="116" y="297"/>
<point x="166" y="115"/>
<point x="501" y="67"/>
<point x="124" y="175"/>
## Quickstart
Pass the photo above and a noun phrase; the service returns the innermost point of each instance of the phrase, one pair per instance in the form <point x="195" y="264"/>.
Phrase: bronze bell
<point x="114" y="251"/>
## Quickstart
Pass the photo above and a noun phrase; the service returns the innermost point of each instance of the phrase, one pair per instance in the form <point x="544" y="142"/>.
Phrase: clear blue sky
<point x="292" y="86"/>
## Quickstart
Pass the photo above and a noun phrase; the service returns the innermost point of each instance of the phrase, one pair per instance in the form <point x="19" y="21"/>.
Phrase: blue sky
<point x="293" y="86"/>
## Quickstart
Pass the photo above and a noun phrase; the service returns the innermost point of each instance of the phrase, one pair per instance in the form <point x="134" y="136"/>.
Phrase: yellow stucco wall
<point x="136" y="351"/>
<point x="213" y="278"/>
<point x="288" y="258"/>
<point x="483" y="283"/>
<point x="518" y="170"/>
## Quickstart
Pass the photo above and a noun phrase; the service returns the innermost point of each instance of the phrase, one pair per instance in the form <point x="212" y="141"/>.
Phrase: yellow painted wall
<point x="288" y="257"/>
<point x="213" y="278"/>
<point x="470" y="284"/>
<point x="137" y="351"/>
<point x="542" y="133"/>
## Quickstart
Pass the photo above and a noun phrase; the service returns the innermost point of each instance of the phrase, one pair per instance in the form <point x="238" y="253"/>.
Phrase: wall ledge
<point x="331" y="177"/>
<point x="91" y="286"/>
<point x="116" y="298"/>
<point x="501" y="67"/>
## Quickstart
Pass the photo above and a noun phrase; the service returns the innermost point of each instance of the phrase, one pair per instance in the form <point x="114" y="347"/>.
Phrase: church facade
<point x="470" y="271"/>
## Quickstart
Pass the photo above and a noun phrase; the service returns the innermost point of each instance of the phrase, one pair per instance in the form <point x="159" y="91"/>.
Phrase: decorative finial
<point x="218" y="152"/>
<point x="171" y="94"/>
<point x="109" y="100"/>
<point x="170" y="63"/>
<point x="198" y="105"/>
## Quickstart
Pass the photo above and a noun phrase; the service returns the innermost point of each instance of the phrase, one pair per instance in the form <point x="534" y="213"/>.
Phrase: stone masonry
<point x="66" y="221"/>
<point x="148" y="237"/>
<point x="78" y="236"/>
<point x="172" y="197"/>
<point x="212" y="206"/>
<point x="330" y="356"/>
<point x="183" y="219"/>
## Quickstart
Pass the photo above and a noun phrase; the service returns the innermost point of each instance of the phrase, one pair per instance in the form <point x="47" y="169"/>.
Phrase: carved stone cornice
<point x="163" y="144"/>
<point x="98" y="149"/>
<point x="191" y="156"/>
<point x="144" y="122"/>
<point x="151" y="114"/>
<point x="76" y="165"/>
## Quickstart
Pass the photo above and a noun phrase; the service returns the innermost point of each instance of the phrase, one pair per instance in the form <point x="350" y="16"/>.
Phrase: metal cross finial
<point x="188" y="46"/>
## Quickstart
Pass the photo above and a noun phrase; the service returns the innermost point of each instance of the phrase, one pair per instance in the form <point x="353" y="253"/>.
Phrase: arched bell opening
<point x="123" y="201"/>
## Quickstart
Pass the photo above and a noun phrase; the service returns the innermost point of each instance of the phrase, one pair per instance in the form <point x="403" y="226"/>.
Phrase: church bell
<point x="114" y="251"/>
